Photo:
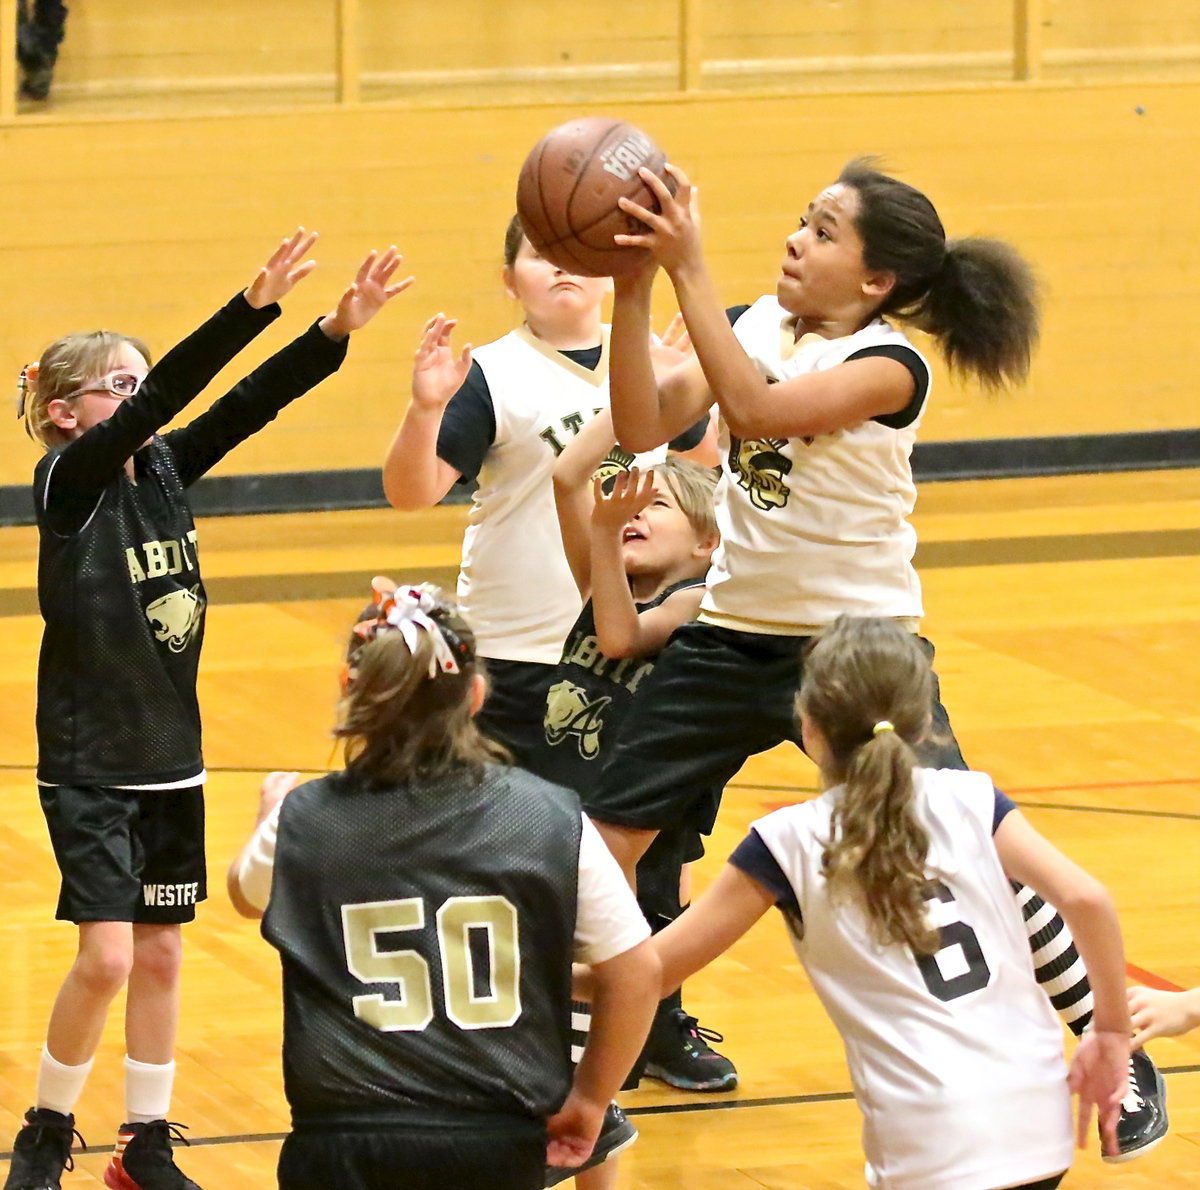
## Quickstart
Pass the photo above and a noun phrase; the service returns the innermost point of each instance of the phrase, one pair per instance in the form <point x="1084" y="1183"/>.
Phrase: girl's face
<point x="823" y="277"/>
<point x="550" y="296"/>
<point x="660" y="540"/>
<point x="97" y="399"/>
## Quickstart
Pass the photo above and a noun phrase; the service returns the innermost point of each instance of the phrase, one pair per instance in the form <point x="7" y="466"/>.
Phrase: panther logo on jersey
<point x="569" y="713"/>
<point x="617" y="460"/>
<point x="175" y="617"/>
<point x="760" y="467"/>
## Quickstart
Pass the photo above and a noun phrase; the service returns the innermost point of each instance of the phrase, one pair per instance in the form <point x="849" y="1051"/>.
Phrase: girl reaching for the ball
<point x="820" y="395"/>
<point x="499" y="416"/>
<point x="120" y="770"/>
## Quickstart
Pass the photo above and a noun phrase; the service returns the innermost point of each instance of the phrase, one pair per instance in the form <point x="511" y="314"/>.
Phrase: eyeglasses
<point x="119" y="384"/>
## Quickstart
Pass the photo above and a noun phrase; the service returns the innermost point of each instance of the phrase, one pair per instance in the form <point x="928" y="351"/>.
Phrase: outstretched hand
<point x="368" y="293"/>
<point x="1155" y="1013"/>
<point x="631" y="491"/>
<point x="673" y="231"/>
<point x="1100" y="1077"/>
<point x="437" y="372"/>
<point x="284" y="269"/>
<point x="572" y="1131"/>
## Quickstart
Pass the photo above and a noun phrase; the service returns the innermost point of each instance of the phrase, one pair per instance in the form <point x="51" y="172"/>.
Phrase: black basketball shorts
<point x="508" y="1156"/>
<point x="715" y="697"/>
<point x="515" y="707"/>
<point x="127" y="855"/>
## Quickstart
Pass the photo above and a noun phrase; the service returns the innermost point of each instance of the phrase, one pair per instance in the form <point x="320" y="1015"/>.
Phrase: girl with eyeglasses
<point x="120" y="771"/>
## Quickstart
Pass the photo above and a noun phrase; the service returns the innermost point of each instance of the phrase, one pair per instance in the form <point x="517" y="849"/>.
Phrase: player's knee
<point x="158" y="953"/>
<point x="103" y="966"/>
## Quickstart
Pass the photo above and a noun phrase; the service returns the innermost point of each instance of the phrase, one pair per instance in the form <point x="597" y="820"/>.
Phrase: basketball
<point x="568" y="189"/>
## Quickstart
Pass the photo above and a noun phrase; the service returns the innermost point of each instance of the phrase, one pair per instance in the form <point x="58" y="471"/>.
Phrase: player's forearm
<point x="637" y="416"/>
<point x="736" y="384"/>
<point x="1091" y="917"/>
<point x="615" y="613"/>
<point x="624" y="997"/>
<point x="413" y="474"/>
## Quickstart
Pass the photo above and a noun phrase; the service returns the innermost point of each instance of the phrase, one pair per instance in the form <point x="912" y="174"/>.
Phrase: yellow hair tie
<point x="882" y="725"/>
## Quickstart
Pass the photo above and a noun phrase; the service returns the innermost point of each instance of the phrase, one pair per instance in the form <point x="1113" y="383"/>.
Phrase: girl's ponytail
<point x="867" y="688"/>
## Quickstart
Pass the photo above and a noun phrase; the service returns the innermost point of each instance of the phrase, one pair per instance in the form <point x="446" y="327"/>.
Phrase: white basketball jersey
<point x="956" y="1058"/>
<point x="812" y="527"/>
<point x="515" y="586"/>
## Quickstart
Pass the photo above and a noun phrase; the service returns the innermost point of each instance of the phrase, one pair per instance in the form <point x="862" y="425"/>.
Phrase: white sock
<point x="147" y="1090"/>
<point x="59" y="1086"/>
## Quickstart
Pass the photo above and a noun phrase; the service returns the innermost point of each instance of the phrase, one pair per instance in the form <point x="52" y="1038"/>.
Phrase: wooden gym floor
<point x="1066" y="613"/>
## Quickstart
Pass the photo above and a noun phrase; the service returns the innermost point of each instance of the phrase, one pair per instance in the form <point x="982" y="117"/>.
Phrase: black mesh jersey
<point x="124" y="611"/>
<point x="118" y="572"/>
<point x="426" y="934"/>
<point x="589" y="697"/>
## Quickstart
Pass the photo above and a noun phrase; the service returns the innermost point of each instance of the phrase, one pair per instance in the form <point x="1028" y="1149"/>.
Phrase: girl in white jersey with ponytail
<point x="895" y="888"/>
<point x="820" y="396"/>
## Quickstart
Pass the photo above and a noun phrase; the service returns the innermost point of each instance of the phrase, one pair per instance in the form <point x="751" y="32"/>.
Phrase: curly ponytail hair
<point x="867" y="687"/>
<point x="977" y="297"/>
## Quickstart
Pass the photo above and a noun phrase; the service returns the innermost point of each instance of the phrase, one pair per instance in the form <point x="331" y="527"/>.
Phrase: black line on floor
<point x="654" y="1109"/>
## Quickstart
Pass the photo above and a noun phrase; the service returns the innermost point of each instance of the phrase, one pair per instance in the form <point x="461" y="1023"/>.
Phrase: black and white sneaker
<point x="617" y="1133"/>
<point x="1143" y="1122"/>
<point x="42" y="1150"/>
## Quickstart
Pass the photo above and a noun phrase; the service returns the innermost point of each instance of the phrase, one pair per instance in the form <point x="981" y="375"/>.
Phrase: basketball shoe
<point x="677" y="1052"/>
<point x="143" y="1159"/>
<point x="1143" y="1122"/>
<point x="42" y="1150"/>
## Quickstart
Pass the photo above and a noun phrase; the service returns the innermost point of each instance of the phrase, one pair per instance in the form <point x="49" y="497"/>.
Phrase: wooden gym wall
<point x="148" y="223"/>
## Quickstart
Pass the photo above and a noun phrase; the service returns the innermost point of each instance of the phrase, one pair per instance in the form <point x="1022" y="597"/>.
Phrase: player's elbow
<point x="233" y="885"/>
<point x="638" y="439"/>
<point x="1085" y="897"/>
<point x="617" y="647"/>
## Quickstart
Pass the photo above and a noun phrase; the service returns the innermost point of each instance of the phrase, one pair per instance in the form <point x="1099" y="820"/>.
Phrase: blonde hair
<point x="64" y="368"/>
<point x="398" y="723"/>
<point x="693" y="487"/>
<point x="867" y="687"/>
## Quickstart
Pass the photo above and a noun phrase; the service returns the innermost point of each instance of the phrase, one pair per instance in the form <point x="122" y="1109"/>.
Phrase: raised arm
<point x="413" y="474"/>
<point x="573" y="500"/>
<point x="621" y="630"/>
<point x="289" y="373"/>
<point x="648" y="410"/>
<point x="1100" y="1067"/>
<point x="812" y="403"/>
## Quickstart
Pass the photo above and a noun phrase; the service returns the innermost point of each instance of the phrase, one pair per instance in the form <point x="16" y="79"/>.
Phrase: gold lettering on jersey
<point x="136" y="573"/>
<point x="556" y="437"/>
<point x="759" y="465"/>
<point x="159" y="558"/>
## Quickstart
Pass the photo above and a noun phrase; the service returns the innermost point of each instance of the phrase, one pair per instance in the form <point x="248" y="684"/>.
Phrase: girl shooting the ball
<point x="821" y="395"/>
